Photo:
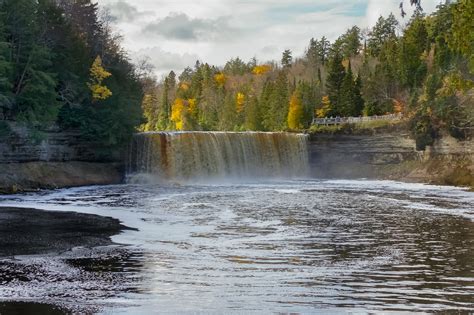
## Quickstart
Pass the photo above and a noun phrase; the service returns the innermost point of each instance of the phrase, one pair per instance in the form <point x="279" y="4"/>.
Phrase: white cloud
<point x="175" y="33"/>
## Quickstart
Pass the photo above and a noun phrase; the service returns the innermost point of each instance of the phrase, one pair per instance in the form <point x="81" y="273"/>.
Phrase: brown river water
<point x="285" y="246"/>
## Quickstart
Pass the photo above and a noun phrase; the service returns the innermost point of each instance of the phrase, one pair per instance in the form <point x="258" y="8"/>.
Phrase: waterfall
<point x="190" y="155"/>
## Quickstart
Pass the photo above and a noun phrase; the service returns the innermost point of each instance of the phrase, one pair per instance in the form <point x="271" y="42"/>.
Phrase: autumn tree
<point x="325" y="108"/>
<point x="295" y="112"/>
<point x="97" y="75"/>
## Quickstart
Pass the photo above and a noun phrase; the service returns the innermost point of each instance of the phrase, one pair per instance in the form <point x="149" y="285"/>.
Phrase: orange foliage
<point x="398" y="106"/>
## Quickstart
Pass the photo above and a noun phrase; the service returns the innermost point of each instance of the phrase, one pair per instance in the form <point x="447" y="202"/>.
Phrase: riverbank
<point x="388" y="152"/>
<point x="32" y="160"/>
<point x="30" y="176"/>
<point x="25" y="231"/>
<point x="58" y="250"/>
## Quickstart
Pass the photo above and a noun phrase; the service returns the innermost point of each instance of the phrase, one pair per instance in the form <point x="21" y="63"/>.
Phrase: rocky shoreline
<point x="25" y="231"/>
<point x="41" y="246"/>
<point x="391" y="155"/>
<point x="31" y="176"/>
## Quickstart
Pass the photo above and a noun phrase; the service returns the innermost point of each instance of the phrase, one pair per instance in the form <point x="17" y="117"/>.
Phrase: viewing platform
<point x="352" y="120"/>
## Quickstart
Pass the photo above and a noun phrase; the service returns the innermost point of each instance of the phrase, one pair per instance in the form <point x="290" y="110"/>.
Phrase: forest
<point x="424" y="71"/>
<point x="61" y="64"/>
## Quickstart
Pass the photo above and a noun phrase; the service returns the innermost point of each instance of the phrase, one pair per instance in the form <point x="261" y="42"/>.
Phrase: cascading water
<point x="186" y="155"/>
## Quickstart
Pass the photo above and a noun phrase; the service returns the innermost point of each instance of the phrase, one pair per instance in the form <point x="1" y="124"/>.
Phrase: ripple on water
<point x="301" y="246"/>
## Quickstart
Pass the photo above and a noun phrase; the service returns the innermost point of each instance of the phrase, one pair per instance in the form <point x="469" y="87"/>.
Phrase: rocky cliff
<point x="392" y="155"/>
<point x="52" y="159"/>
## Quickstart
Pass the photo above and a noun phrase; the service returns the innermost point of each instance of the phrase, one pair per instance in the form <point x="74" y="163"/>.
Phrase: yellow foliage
<point x="240" y="101"/>
<point x="295" y="113"/>
<point x="100" y="92"/>
<point x="192" y="106"/>
<point x="345" y="63"/>
<point x="97" y="75"/>
<point x="325" y="109"/>
<point x="262" y="69"/>
<point x="177" y="113"/>
<point x="220" y="79"/>
<point x="453" y="83"/>
<point x="184" y="86"/>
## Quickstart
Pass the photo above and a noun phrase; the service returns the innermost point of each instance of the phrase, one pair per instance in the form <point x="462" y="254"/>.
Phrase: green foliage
<point x="383" y="31"/>
<point x="412" y="68"/>
<point x="421" y="72"/>
<point x="462" y="34"/>
<point x="46" y="50"/>
<point x="286" y="59"/>
<point x="336" y="74"/>
<point x="422" y="129"/>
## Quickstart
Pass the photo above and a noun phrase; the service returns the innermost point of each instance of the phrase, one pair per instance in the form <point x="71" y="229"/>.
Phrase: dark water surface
<point x="292" y="246"/>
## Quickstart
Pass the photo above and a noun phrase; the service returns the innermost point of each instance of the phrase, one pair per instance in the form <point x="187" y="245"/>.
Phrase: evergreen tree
<point x="359" y="102"/>
<point x="345" y="105"/>
<point x="412" y="69"/>
<point x="286" y="59"/>
<point x="323" y="49"/>
<point x="335" y="78"/>
<point x="383" y="30"/>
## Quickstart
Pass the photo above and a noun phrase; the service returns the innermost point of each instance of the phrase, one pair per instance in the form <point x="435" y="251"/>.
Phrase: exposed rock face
<point x="21" y="145"/>
<point x="392" y="155"/>
<point x="17" y="177"/>
<point x="53" y="159"/>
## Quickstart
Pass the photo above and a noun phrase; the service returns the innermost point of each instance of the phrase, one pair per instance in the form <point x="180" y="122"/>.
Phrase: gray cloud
<point x="122" y="11"/>
<point x="165" y="61"/>
<point x="271" y="49"/>
<point x="181" y="27"/>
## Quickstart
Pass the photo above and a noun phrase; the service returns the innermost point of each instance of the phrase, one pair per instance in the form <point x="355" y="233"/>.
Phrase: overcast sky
<point x="174" y="33"/>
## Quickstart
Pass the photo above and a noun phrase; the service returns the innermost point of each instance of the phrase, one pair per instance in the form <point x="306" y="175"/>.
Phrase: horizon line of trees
<point x="61" y="63"/>
<point x="425" y="72"/>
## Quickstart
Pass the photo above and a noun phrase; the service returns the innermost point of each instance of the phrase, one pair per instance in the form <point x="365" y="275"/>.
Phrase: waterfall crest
<point x="189" y="155"/>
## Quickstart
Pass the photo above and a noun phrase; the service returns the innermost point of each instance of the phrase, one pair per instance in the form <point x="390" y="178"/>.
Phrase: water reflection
<point x="300" y="246"/>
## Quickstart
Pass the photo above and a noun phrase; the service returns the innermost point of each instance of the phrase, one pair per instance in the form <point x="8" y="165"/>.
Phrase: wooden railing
<point x="352" y="120"/>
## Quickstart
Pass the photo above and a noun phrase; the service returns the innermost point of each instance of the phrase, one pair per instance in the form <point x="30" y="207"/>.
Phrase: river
<point x="309" y="246"/>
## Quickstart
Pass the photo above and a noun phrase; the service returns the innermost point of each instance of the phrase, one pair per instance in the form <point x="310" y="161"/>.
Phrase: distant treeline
<point x="60" y="63"/>
<point x="425" y="71"/>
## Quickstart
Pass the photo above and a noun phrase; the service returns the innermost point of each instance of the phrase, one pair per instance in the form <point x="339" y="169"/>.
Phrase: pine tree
<point x="34" y="86"/>
<point x="345" y="106"/>
<point x="383" y="30"/>
<point x="253" y="119"/>
<point x="286" y="59"/>
<point x="412" y="69"/>
<point x="323" y="49"/>
<point x="335" y="78"/>
<point x="358" y="99"/>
